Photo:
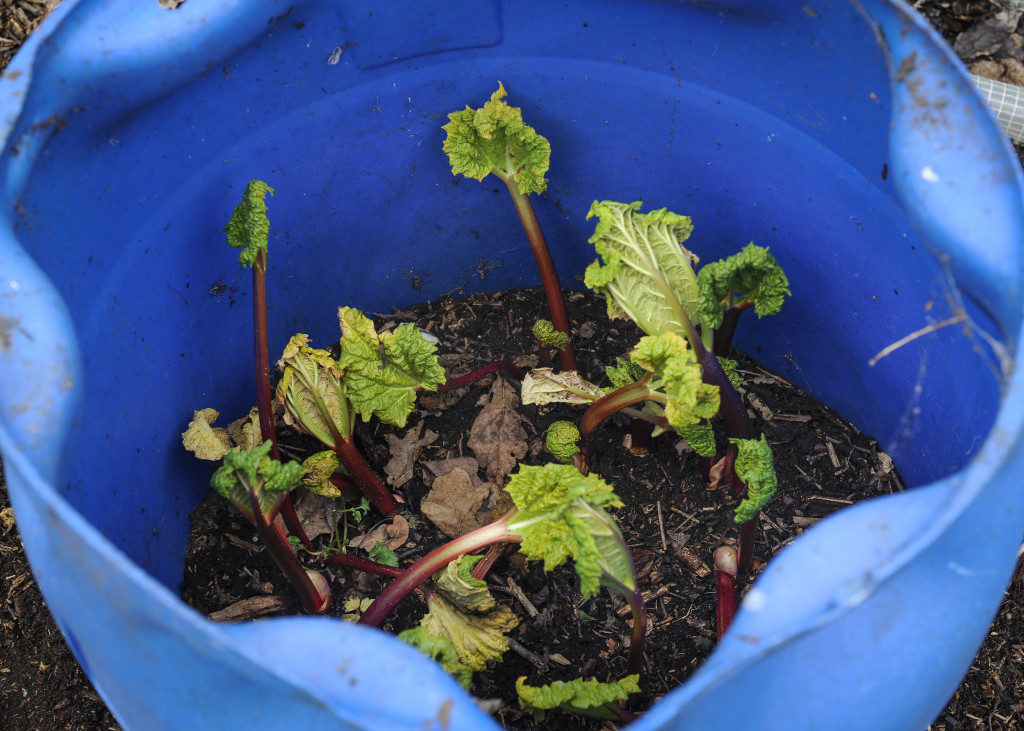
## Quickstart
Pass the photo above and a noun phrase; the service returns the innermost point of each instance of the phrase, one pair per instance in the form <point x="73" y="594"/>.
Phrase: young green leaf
<point x="312" y="393"/>
<point x="647" y="274"/>
<point x="700" y="437"/>
<point x="248" y="227"/>
<point x="384" y="555"/>
<point x="559" y="517"/>
<point x="562" y="441"/>
<point x="623" y="373"/>
<point x="203" y="439"/>
<point x="245" y="474"/>
<point x="751" y="275"/>
<point x="545" y="332"/>
<point x="441" y="650"/>
<point x="383" y="372"/>
<point x="543" y="386"/>
<point x="689" y="399"/>
<point x="494" y="139"/>
<point x="587" y="697"/>
<point x="754" y="467"/>
<point x="729" y="367"/>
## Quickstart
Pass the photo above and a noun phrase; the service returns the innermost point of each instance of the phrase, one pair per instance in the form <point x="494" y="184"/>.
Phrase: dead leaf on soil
<point x="403" y="453"/>
<point x="312" y="512"/>
<point x="497" y="437"/>
<point x="392" y="534"/>
<point x="440" y="467"/>
<point x="453" y="502"/>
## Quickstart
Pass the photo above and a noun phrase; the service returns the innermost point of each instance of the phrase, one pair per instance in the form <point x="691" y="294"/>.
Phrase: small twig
<point x="661" y="527"/>
<point x="513" y="587"/>
<point x="528" y="655"/>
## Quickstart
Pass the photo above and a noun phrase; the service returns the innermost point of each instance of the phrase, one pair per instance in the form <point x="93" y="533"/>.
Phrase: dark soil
<point x="42" y="687"/>
<point x="671" y="520"/>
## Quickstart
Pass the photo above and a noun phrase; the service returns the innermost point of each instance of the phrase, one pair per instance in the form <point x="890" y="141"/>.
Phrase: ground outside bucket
<point x="841" y="134"/>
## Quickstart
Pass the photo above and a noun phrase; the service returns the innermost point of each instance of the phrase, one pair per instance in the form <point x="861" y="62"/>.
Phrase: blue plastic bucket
<point x="841" y="134"/>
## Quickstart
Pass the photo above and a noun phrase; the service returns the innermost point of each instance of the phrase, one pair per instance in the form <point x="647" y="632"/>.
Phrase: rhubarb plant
<point x="559" y="514"/>
<point x="248" y="229"/>
<point x="678" y="374"/>
<point x="257" y="485"/>
<point x="376" y="375"/>
<point x="494" y="140"/>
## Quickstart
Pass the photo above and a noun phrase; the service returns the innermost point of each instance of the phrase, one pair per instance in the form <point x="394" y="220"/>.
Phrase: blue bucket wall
<point x="839" y="134"/>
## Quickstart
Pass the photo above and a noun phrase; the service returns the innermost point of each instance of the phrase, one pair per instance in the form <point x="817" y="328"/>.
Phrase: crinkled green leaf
<point x="700" y="437"/>
<point x="558" y="518"/>
<point x="546" y="333"/>
<point x="624" y="373"/>
<point x="587" y="697"/>
<point x="383" y="372"/>
<point x="247" y="473"/>
<point x="312" y="393"/>
<point x="689" y="399"/>
<point x="479" y="638"/>
<point x="441" y="650"/>
<point x="750" y="275"/>
<point x="562" y="441"/>
<point x="543" y="386"/>
<point x="729" y="367"/>
<point x="203" y="439"/>
<point x="319" y="469"/>
<point x="248" y="227"/>
<point x="754" y="467"/>
<point x="647" y="274"/>
<point x="494" y="139"/>
<point x="457" y="582"/>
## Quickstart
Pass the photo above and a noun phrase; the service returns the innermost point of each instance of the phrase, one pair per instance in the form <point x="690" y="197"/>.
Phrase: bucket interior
<point x="764" y="126"/>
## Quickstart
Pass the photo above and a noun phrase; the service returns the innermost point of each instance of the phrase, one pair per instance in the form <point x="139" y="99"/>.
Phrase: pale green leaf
<point x="203" y="439"/>
<point x="383" y="372"/>
<point x="647" y="274"/>
<point x="458" y="584"/>
<point x="494" y="139"/>
<point x="587" y="697"/>
<point x="248" y="227"/>
<point x="384" y="555"/>
<point x="479" y="638"/>
<point x="311" y="392"/>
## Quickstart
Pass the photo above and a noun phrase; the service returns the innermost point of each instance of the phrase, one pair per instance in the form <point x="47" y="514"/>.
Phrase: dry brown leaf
<point x="497" y="437"/>
<point x="392" y="534"/>
<point x="441" y="467"/>
<point x="403" y="453"/>
<point x="453" y="502"/>
<point x="313" y="515"/>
